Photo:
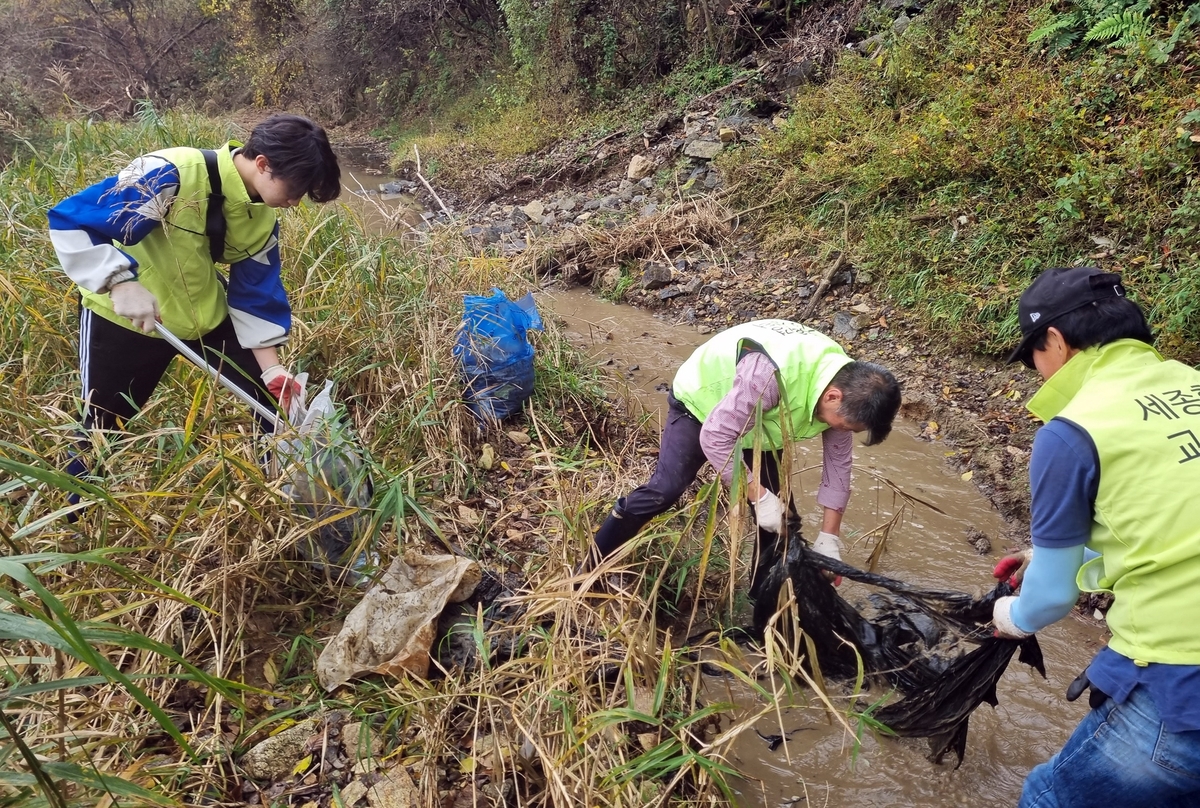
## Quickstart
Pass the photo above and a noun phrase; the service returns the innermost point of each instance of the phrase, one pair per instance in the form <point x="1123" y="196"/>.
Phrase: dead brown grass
<point x="583" y="255"/>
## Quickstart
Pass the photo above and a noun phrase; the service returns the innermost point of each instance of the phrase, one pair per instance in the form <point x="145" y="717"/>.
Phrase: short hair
<point x="1100" y="323"/>
<point x="870" y="398"/>
<point x="298" y="152"/>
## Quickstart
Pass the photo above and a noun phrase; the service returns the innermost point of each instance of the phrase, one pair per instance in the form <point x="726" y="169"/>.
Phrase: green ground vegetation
<point x="971" y="157"/>
<point x="986" y="142"/>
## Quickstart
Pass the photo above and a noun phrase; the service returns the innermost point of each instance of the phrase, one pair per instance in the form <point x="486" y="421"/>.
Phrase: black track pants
<point x="679" y="460"/>
<point x="121" y="367"/>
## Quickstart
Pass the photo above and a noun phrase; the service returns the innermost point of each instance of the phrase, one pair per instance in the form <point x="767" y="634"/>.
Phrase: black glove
<point x="1082" y="683"/>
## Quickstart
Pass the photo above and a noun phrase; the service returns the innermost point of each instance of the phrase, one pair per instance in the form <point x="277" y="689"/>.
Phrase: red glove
<point x="1012" y="567"/>
<point x="283" y="386"/>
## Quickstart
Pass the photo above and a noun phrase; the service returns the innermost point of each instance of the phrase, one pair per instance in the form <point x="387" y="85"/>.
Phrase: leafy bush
<point x="1116" y="23"/>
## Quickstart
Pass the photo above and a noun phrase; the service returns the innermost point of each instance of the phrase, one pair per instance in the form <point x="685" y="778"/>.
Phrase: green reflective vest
<point x="174" y="261"/>
<point x="1143" y="414"/>
<point x="805" y="362"/>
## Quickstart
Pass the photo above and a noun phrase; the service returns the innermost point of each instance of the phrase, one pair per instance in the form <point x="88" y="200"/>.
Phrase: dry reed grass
<point x="606" y="704"/>
<point x="583" y="255"/>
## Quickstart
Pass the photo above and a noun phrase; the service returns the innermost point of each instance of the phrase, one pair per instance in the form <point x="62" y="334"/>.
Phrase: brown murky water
<point x="377" y="212"/>
<point x="815" y="766"/>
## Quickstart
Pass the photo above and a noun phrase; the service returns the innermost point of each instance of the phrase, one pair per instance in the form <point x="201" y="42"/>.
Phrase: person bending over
<point x="806" y="386"/>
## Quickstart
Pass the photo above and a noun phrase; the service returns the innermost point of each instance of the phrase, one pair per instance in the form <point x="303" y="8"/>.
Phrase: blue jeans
<point x="1120" y="755"/>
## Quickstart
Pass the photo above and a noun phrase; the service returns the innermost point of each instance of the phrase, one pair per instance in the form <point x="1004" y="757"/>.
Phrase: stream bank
<point x="949" y="549"/>
<point x="676" y="252"/>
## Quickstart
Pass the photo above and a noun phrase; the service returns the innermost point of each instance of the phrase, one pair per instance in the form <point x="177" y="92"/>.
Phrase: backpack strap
<point x="214" y="217"/>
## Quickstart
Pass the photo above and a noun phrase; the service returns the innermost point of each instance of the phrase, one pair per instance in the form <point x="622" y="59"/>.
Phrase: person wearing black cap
<point x="1115" y="480"/>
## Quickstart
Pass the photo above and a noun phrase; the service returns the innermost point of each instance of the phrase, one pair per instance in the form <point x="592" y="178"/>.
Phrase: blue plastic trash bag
<point x="494" y="352"/>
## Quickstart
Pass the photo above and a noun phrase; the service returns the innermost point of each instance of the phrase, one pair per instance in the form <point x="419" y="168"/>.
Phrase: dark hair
<point x="298" y="153"/>
<point x="870" y="398"/>
<point x="1102" y="322"/>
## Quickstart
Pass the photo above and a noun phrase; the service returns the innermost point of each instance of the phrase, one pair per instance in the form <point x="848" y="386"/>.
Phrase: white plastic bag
<point x="322" y="471"/>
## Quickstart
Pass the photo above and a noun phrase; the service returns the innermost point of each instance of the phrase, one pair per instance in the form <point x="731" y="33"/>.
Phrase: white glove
<point x="285" y="387"/>
<point x="828" y="545"/>
<point x="136" y="303"/>
<point x="768" y="510"/>
<point x="1002" y="618"/>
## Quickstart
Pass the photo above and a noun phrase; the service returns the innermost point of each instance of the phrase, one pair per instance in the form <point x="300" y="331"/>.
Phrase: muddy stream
<point x="815" y="766"/>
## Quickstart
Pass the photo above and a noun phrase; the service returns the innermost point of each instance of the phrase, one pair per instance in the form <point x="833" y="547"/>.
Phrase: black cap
<point x="1056" y="292"/>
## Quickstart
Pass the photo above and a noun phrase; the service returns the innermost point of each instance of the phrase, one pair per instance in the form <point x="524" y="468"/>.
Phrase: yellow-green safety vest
<point x="1142" y="412"/>
<point x="174" y="261"/>
<point x="805" y="362"/>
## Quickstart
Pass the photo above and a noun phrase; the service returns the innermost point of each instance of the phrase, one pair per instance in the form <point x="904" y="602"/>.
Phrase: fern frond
<point x="1128" y="27"/>
<point x="1059" y="23"/>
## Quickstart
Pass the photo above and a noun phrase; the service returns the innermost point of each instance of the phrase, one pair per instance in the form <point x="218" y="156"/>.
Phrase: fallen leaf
<point x="303" y="765"/>
<point x="468" y="515"/>
<point x="487" y="457"/>
<point x="520" y="438"/>
<point x="967" y="475"/>
<point x="269" y="672"/>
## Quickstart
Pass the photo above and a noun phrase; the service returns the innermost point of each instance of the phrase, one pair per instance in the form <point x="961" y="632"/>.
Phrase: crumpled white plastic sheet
<point x="392" y="629"/>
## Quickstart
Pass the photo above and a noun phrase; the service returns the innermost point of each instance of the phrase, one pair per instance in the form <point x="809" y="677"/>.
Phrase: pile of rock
<point x="674" y="163"/>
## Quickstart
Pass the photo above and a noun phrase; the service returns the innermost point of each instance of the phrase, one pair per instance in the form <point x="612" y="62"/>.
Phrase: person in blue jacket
<point x="143" y="248"/>
<point x="1115" y="480"/>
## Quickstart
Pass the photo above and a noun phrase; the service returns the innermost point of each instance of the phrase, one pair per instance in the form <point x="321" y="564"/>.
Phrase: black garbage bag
<point x="935" y="647"/>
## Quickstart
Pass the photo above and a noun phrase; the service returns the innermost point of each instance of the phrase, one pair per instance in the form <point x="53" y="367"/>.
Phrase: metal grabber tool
<point x="275" y="419"/>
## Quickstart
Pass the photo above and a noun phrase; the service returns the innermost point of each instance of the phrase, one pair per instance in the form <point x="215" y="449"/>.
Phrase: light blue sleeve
<point x="1048" y="592"/>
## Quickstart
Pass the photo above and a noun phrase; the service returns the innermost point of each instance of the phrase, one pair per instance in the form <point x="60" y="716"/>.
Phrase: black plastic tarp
<point x="935" y="647"/>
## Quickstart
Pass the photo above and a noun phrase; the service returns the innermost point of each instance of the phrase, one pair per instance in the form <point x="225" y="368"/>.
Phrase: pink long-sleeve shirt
<point x="733" y="418"/>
